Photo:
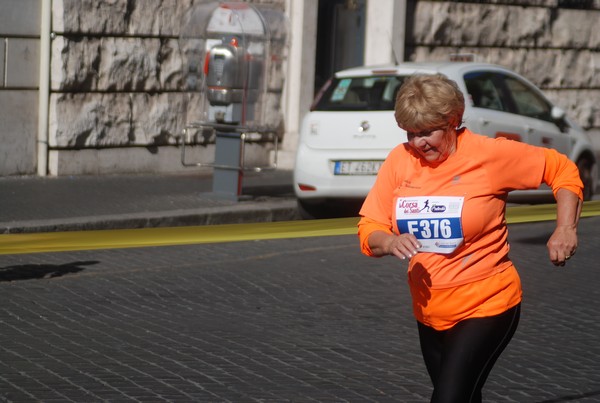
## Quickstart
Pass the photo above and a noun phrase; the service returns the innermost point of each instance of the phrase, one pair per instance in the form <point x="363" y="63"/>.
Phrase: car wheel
<point x="585" y="172"/>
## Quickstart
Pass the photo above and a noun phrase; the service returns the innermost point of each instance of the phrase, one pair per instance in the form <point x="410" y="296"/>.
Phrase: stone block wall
<point x="116" y="102"/>
<point x="117" y="82"/>
<point x="555" y="44"/>
<point x="116" y="73"/>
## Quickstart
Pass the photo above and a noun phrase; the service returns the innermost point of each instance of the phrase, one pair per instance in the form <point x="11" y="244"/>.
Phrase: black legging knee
<point x="460" y="359"/>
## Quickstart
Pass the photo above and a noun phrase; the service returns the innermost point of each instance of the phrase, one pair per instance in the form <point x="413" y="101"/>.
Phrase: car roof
<point x="407" y="68"/>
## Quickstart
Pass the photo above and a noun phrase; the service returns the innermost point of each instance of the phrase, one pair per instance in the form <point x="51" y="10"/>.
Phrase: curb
<point x="242" y="213"/>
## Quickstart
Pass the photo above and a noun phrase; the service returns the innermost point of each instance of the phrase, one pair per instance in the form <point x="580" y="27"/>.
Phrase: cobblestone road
<point x="292" y="320"/>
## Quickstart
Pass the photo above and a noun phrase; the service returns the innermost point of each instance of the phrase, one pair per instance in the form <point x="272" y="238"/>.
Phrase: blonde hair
<point x="429" y="101"/>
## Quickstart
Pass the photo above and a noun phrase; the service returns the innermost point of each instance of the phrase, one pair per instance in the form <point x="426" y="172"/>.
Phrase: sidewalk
<point x="72" y="203"/>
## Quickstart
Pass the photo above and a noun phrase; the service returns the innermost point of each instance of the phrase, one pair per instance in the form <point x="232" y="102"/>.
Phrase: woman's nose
<point x="418" y="141"/>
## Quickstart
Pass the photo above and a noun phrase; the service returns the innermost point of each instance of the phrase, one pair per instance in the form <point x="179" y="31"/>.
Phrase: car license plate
<point x="356" y="167"/>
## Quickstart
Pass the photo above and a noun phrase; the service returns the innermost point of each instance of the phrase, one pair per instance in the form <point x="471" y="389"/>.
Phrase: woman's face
<point x="433" y="145"/>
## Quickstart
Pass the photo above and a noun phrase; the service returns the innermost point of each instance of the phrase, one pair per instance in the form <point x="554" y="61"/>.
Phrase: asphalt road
<point x="294" y="320"/>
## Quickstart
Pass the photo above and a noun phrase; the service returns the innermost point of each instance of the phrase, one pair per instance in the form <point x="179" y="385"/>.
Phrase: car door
<point x="536" y="114"/>
<point x="491" y="110"/>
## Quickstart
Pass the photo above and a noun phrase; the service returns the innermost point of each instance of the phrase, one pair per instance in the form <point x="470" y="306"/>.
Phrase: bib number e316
<point x="434" y="221"/>
<point x="432" y="228"/>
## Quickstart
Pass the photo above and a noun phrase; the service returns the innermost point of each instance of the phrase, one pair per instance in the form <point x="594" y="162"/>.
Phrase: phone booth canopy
<point x="233" y="55"/>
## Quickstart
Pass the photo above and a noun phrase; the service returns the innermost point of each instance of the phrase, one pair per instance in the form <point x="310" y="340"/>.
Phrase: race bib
<point x="434" y="220"/>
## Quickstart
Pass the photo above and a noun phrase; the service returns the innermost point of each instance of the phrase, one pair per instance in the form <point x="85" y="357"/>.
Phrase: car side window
<point x="484" y="93"/>
<point x="527" y="102"/>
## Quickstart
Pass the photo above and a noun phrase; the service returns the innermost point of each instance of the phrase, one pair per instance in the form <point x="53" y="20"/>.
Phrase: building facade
<point x="96" y="86"/>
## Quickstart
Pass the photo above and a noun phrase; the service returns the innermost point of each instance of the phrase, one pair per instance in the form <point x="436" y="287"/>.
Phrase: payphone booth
<point x="233" y="56"/>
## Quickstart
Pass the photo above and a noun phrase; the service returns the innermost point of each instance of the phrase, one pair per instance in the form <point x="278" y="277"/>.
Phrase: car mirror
<point x="557" y="113"/>
<point x="558" y="116"/>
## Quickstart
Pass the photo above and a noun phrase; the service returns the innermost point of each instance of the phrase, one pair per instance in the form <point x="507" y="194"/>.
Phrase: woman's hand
<point x="562" y="244"/>
<point x="563" y="241"/>
<point x="403" y="246"/>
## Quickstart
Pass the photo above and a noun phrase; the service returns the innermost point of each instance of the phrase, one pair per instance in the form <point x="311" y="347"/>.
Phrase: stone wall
<point x="555" y="44"/>
<point x="117" y="82"/>
<point x="116" y="101"/>
<point x="116" y="73"/>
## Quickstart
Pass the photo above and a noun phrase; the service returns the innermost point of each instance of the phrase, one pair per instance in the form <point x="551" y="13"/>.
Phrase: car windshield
<point x="373" y="93"/>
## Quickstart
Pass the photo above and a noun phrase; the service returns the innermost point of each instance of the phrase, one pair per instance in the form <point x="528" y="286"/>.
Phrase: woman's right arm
<point x="375" y="226"/>
<point x="403" y="246"/>
<point x="377" y="240"/>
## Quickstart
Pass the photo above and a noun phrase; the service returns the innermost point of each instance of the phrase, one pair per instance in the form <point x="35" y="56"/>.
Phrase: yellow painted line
<point x="545" y="212"/>
<point x="136" y="238"/>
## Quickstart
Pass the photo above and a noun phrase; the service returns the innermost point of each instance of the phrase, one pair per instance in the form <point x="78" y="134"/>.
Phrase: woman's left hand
<point x="562" y="244"/>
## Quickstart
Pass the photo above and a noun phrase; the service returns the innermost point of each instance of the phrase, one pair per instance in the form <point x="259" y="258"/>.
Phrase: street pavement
<point x="287" y="320"/>
<point x="72" y="203"/>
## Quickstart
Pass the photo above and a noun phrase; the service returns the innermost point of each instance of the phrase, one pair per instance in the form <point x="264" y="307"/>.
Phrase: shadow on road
<point x="41" y="271"/>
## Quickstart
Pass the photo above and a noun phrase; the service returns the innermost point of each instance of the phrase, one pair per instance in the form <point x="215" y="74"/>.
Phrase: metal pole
<point x="44" y="89"/>
<point x="228" y="171"/>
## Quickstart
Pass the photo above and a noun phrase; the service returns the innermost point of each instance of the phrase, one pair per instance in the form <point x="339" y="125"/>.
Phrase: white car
<point x="351" y="128"/>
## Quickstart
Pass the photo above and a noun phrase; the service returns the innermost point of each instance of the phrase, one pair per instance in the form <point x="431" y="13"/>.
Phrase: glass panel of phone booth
<point x="227" y="54"/>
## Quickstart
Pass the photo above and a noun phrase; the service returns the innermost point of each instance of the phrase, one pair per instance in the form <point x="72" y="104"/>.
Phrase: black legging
<point x="460" y="359"/>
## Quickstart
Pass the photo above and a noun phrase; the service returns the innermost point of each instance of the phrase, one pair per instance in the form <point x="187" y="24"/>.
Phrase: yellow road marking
<point x="136" y="238"/>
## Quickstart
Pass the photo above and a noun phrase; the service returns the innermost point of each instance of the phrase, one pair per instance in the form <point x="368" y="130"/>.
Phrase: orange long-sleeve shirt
<point x="477" y="279"/>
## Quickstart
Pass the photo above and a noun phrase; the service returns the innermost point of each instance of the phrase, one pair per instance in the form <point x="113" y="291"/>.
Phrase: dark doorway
<point x="340" y="37"/>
